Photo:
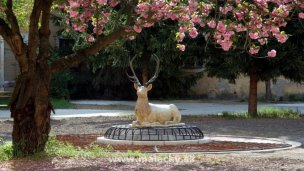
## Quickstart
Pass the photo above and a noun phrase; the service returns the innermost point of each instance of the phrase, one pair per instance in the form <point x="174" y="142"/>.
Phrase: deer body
<point x="148" y="114"/>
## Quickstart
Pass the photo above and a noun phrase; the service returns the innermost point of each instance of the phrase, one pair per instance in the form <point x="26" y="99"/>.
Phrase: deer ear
<point x="135" y="86"/>
<point x="149" y="87"/>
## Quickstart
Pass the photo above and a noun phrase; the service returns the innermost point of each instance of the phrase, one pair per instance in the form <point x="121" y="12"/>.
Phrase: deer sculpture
<point x="148" y="114"/>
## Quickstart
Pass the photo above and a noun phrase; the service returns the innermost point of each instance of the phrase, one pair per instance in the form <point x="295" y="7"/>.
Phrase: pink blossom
<point x="281" y="37"/>
<point x="239" y="15"/>
<point x="239" y="28"/>
<point x="98" y="30"/>
<point x="221" y="27"/>
<point x="113" y="3"/>
<point x="262" y="3"/>
<point x="193" y="33"/>
<point x="73" y="14"/>
<point x="181" y="47"/>
<point x="131" y="37"/>
<point x="254" y="35"/>
<point x="74" y="4"/>
<point x="301" y="15"/>
<point x="102" y="2"/>
<point x="181" y="36"/>
<point x="61" y="5"/>
<point x="272" y="53"/>
<point x="262" y="41"/>
<point x="226" y="45"/>
<point x="202" y="24"/>
<point x="192" y="5"/>
<point x="228" y="34"/>
<point x="211" y="24"/>
<point x="274" y="30"/>
<point x="143" y="7"/>
<point x="144" y="15"/>
<point x="172" y="16"/>
<point x="80" y="28"/>
<point x="265" y="33"/>
<point x="254" y="50"/>
<point x="148" y="24"/>
<point x="182" y="29"/>
<point x="106" y="14"/>
<point x="91" y="38"/>
<point x="185" y="18"/>
<point x="137" y="29"/>
<point x="196" y="19"/>
<point x="225" y="10"/>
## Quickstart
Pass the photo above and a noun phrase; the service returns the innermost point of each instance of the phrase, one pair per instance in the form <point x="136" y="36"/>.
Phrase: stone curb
<point x="292" y="144"/>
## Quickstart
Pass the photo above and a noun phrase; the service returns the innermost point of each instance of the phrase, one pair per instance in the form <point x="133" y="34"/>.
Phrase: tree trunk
<point x="253" y="88"/>
<point x="31" y="109"/>
<point x="268" y="91"/>
<point x="145" y="72"/>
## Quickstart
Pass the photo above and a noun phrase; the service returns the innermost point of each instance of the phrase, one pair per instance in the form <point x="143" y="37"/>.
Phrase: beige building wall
<point x="11" y="68"/>
<point x="53" y="36"/>
<point x="214" y="88"/>
<point x="1" y="63"/>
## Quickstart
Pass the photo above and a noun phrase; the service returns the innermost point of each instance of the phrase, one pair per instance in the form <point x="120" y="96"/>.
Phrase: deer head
<point x="142" y="90"/>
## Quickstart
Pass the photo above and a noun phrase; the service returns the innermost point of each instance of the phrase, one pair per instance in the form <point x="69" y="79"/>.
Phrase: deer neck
<point x="142" y="107"/>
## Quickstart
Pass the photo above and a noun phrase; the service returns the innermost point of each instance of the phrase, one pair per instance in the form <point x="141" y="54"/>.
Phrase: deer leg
<point x="170" y="122"/>
<point x="151" y="124"/>
<point x="135" y="123"/>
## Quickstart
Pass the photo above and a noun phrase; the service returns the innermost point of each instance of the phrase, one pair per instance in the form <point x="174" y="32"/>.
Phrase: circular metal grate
<point x="174" y="133"/>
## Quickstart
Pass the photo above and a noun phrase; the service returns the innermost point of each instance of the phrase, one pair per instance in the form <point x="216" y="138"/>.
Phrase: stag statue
<point x="148" y="114"/>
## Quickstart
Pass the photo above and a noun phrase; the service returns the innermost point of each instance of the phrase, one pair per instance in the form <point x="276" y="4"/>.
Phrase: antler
<point x="156" y="71"/>
<point x="133" y="78"/>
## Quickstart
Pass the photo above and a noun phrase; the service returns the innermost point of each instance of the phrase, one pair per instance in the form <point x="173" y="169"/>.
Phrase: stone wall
<point x="9" y="68"/>
<point x="214" y="88"/>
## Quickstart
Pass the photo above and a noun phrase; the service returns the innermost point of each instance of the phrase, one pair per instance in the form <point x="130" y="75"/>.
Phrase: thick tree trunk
<point x="268" y="95"/>
<point x="253" y="88"/>
<point x="31" y="109"/>
<point x="30" y="106"/>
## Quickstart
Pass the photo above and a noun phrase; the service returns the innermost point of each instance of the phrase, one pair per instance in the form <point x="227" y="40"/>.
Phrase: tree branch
<point x="33" y="32"/>
<point x="15" y="41"/>
<point x="78" y="57"/>
<point x="12" y="19"/>
<point x="5" y="30"/>
<point x="44" y="31"/>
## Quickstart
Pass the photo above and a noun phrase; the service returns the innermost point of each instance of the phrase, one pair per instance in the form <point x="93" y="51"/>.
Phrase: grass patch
<point x="58" y="148"/>
<point x="61" y="104"/>
<point x="55" y="148"/>
<point x="269" y="112"/>
<point x="6" y="150"/>
<point x="57" y="103"/>
<point x="266" y="112"/>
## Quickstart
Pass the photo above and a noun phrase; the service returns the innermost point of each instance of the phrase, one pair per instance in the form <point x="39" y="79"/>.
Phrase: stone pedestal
<point x="166" y="135"/>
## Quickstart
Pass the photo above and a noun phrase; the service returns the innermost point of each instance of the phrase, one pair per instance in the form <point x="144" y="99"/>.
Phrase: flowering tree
<point x="288" y="62"/>
<point x="226" y="21"/>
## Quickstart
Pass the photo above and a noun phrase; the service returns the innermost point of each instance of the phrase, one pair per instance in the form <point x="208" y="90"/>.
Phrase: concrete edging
<point x="292" y="144"/>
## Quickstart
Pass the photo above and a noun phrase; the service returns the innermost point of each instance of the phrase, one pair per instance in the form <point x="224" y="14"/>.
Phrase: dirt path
<point x="274" y="128"/>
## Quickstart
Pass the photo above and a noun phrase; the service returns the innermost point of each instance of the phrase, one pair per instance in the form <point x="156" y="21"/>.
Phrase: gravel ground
<point x="273" y="128"/>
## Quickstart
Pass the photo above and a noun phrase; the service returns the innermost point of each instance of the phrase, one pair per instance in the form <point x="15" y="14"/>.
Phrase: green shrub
<point x="59" y="84"/>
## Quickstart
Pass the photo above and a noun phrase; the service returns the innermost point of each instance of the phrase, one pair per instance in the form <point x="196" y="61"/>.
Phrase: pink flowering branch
<point x="229" y="21"/>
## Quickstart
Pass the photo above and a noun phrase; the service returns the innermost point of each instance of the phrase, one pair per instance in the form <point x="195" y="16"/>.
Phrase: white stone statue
<point x="148" y="114"/>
